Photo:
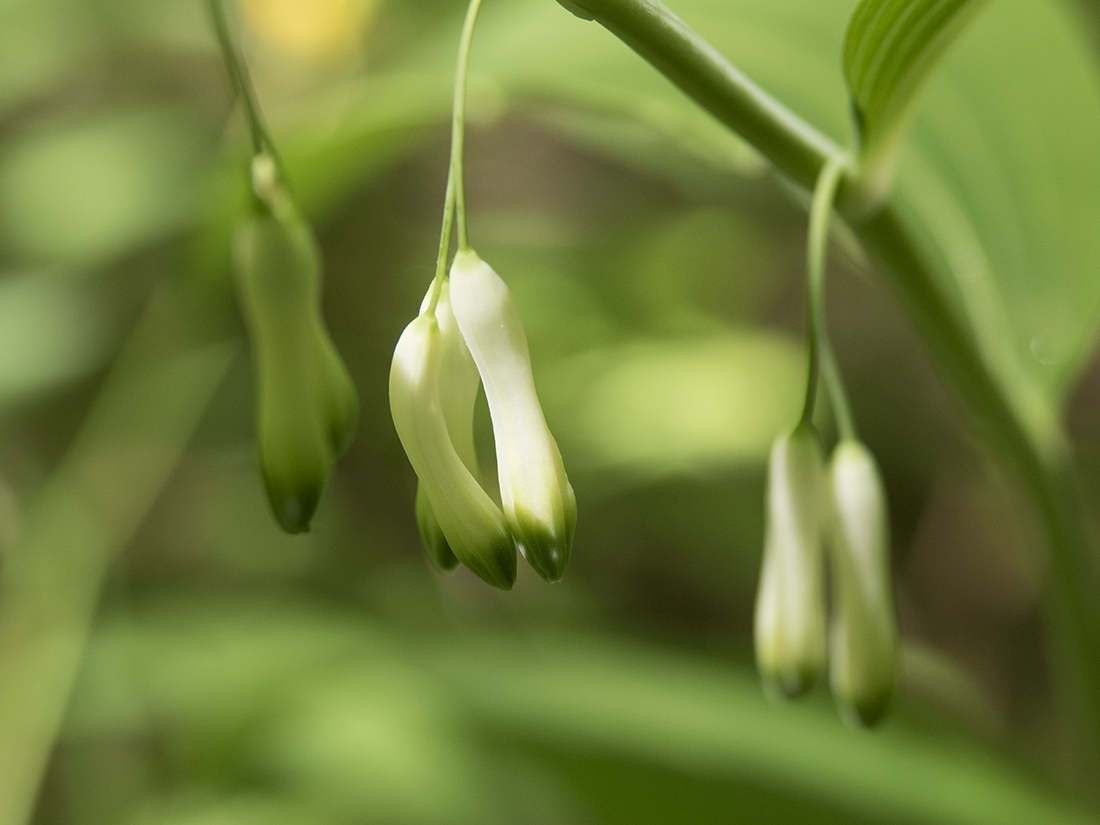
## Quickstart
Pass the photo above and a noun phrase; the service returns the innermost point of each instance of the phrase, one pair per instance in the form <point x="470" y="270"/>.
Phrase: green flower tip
<point x="546" y="550"/>
<point x="495" y="563"/>
<point x="293" y="479"/>
<point x="790" y="616"/>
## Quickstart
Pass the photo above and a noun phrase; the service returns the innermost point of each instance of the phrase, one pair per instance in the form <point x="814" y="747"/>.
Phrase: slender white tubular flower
<point x="458" y="386"/>
<point x="537" y="497"/>
<point x="790" y="602"/>
<point x="474" y="527"/>
<point x="864" y="660"/>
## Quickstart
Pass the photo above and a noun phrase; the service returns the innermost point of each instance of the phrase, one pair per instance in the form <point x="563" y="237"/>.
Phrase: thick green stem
<point x="799" y="152"/>
<point x="793" y="146"/>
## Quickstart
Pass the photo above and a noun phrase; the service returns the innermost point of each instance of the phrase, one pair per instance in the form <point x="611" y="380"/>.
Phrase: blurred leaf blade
<point x="890" y="50"/>
<point x="1001" y="182"/>
<point x="579" y="694"/>
<point x="700" y="718"/>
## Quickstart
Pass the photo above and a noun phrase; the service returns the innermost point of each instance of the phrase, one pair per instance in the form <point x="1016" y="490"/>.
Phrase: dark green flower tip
<point x="494" y="564"/>
<point x="293" y="500"/>
<point x="545" y="551"/>
<point x="294" y="459"/>
<point x="435" y="543"/>
<point x="789" y="684"/>
<point x="869" y="710"/>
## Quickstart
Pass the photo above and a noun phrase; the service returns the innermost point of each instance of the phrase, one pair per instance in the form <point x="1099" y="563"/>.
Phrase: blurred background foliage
<point x="227" y="673"/>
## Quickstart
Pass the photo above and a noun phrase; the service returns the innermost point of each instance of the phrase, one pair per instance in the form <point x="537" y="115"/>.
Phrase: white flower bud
<point x="474" y="527"/>
<point x="457" y="394"/>
<point x="790" y="602"/>
<point x="535" y="492"/>
<point x="864" y="651"/>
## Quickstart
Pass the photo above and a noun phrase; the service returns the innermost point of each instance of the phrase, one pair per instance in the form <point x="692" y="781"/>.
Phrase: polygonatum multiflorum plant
<point x="825" y="603"/>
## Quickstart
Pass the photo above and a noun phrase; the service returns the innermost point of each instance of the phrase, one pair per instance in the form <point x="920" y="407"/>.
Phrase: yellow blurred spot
<point x="313" y="30"/>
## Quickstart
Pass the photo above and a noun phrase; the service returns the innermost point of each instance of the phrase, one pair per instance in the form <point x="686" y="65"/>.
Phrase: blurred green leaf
<point x="676" y="406"/>
<point x="86" y="191"/>
<point x="1002" y="183"/>
<point x="889" y="52"/>
<point x="604" y="696"/>
<point x="198" y="808"/>
<point x="50" y="330"/>
<point x="42" y="43"/>
<point x="392" y="727"/>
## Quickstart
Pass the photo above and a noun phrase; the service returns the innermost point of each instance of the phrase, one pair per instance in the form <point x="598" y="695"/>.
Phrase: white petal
<point x="535" y="491"/>
<point x="474" y="526"/>
<point x="790" y="606"/>
<point x="864" y="656"/>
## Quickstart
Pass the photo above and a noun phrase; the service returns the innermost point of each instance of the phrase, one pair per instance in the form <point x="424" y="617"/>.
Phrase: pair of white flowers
<point x="468" y="332"/>
<point x="847" y="506"/>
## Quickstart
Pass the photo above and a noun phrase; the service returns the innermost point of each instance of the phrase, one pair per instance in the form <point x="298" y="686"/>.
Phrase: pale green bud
<point x="535" y="492"/>
<point x="790" y="602"/>
<point x="475" y="529"/>
<point x="864" y="644"/>
<point x="306" y="404"/>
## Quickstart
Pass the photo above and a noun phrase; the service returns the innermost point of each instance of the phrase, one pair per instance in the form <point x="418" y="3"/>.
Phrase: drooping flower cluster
<point x="468" y="331"/>
<point x="847" y="507"/>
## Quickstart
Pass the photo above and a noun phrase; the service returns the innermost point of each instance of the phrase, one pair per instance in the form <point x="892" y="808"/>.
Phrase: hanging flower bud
<point x="474" y="527"/>
<point x="457" y="394"/>
<point x="790" y="602"/>
<point x="864" y="655"/>
<point x="306" y="404"/>
<point x="537" y="497"/>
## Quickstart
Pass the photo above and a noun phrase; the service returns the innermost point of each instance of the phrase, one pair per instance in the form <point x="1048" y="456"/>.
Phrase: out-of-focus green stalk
<point x="238" y="73"/>
<point x="820" y="350"/>
<point x="84" y="515"/>
<point x="1035" y="450"/>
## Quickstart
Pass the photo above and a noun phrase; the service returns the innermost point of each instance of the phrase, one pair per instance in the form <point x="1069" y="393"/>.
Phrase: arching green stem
<point x="820" y="351"/>
<point x="454" y="202"/>
<point x="444" y="244"/>
<point x="458" y="123"/>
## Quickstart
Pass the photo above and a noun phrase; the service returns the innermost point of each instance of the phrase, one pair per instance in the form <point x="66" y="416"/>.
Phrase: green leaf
<point x="889" y="52"/>
<point x="595" y="695"/>
<point x="313" y="701"/>
<point x="667" y="407"/>
<point x="1001" y="183"/>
